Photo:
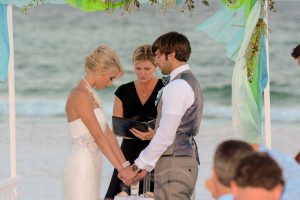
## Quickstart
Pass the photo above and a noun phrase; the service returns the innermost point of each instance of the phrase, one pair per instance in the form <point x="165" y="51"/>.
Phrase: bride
<point x="89" y="130"/>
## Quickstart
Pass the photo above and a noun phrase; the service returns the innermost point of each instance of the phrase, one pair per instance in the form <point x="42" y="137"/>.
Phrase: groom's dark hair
<point x="173" y="42"/>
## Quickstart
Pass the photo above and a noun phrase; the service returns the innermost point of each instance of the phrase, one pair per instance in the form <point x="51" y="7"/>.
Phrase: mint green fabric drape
<point x="245" y="116"/>
<point x="234" y="25"/>
<point x="226" y="26"/>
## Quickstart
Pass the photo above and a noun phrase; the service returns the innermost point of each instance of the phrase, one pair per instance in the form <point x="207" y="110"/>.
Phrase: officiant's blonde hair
<point x="103" y="58"/>
<point x="143" y="53"/>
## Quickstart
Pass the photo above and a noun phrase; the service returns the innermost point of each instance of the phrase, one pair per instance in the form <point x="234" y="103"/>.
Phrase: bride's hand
<point x="143" y="135"/>
<point x="127" y="175"/>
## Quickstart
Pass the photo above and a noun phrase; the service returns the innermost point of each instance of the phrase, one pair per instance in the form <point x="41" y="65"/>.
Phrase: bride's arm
<point x="114" y="144"/>
<point x="117" y="111"/>
<point x="85" y="109"/>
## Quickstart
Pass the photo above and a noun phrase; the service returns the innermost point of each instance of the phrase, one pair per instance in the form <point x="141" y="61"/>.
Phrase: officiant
<point x="136" y="100"/>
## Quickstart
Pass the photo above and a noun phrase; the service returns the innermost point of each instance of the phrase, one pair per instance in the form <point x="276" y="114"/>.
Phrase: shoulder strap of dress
<point x="92" y="92"/>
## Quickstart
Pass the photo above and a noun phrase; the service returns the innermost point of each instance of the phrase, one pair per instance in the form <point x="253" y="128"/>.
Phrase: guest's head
<point x="171" y="50"/>
<point x="104" y="65"/>
<point x="296" y="53"/>
<point x="227" y="157"/>
<point x="143" y="60"/>
<point x="257" y="176"/>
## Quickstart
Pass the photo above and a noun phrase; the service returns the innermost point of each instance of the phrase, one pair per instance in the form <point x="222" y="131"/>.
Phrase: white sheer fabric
<point x="83" y="168"/>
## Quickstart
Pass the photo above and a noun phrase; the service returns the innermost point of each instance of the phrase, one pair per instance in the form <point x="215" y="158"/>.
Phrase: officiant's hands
<point x="143" y="135"/>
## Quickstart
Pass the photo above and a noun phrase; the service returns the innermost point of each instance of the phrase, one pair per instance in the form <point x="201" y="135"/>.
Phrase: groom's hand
<point x="139" y="176"/>
<point x="127" y="175"/>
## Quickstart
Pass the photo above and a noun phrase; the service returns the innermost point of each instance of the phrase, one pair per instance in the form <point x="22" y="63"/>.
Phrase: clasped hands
<point x="129" y="176"/>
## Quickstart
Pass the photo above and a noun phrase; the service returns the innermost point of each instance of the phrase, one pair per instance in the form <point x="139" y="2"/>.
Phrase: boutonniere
<point x="158" y="96"/>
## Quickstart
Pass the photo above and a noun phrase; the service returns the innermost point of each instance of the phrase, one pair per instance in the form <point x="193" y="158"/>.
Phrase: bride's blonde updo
<point x="102" y="59"/>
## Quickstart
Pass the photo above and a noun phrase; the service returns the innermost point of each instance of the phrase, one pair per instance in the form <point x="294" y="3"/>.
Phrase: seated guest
<point x="297" y="158"/>
<point x="227" y="157"/>
<point x="257" y="176"/>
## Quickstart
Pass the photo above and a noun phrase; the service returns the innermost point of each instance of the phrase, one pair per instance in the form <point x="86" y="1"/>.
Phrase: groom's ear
<point x="171" y="56"/>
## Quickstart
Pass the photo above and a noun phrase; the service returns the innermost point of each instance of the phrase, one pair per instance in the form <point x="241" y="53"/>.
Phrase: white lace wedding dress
<point x="83" y="168"/>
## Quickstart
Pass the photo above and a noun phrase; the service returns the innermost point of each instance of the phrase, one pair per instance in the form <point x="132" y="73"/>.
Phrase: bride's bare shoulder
<point x="77" y="96"/>
<point x="78" y="93"/>
<point x="77" y="99"/>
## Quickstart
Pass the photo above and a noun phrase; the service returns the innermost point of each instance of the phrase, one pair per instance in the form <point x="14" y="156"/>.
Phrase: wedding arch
<point x="241" y="24"/>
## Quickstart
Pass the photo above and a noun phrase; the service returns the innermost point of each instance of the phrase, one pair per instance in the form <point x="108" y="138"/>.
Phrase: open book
<point x="121" y="126"/>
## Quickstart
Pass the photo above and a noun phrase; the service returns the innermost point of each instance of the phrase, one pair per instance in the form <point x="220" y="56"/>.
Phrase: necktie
<point x="165" y="80"/>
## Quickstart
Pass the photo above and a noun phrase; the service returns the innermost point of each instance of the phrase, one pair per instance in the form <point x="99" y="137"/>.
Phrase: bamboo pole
<point x="267" y="110"/>
<point x="11" y="95"/>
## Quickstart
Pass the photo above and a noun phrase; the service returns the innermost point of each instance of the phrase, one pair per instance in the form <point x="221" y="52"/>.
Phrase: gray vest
<point x="184" y="143"/>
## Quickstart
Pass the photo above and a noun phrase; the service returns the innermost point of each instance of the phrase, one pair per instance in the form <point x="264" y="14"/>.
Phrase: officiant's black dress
<point x="133" y="109"/>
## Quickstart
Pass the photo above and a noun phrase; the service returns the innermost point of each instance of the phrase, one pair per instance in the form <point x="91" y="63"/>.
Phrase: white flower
<point x="158" y="96"/>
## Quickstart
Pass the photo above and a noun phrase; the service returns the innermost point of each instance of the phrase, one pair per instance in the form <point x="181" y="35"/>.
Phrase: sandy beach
<point x="43" y="145"/>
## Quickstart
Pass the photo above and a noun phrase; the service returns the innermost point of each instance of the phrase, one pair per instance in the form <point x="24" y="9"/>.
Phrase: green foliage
<point x="271" y="4"/>
<point x="254" y="47"/>
<point x="32" y="3"/>
<point x="127" y="5"/>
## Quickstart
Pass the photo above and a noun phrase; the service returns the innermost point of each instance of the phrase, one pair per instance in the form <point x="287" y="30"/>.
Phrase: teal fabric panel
<point x="226" y="26"/>
<point x="4" y="43"/>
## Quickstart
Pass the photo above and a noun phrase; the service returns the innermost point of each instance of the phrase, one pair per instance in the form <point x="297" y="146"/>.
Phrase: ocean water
<point x="51" y="42"/>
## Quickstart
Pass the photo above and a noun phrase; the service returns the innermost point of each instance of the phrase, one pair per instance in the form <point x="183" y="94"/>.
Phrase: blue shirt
<point x="226" y="197"/>
<point x="291" y="173"/>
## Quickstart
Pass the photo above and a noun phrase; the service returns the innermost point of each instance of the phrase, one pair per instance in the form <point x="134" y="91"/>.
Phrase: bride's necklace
<point x="92" y="92"/>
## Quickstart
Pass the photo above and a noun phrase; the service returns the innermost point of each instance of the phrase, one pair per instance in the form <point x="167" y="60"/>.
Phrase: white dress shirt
<point x="177" y="97"/>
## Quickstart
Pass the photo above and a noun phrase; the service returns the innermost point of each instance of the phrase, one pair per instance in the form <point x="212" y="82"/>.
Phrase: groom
<point x="173" y="151"/>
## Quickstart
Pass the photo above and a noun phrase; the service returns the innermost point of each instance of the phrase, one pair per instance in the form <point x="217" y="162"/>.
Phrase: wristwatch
<point x="135" y="168"/>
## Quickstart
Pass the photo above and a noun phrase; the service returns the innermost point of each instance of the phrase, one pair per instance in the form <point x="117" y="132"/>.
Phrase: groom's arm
<point x="155" y="149"/>
<point x="162" y="139"/>
<point x="177" y="97"/>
